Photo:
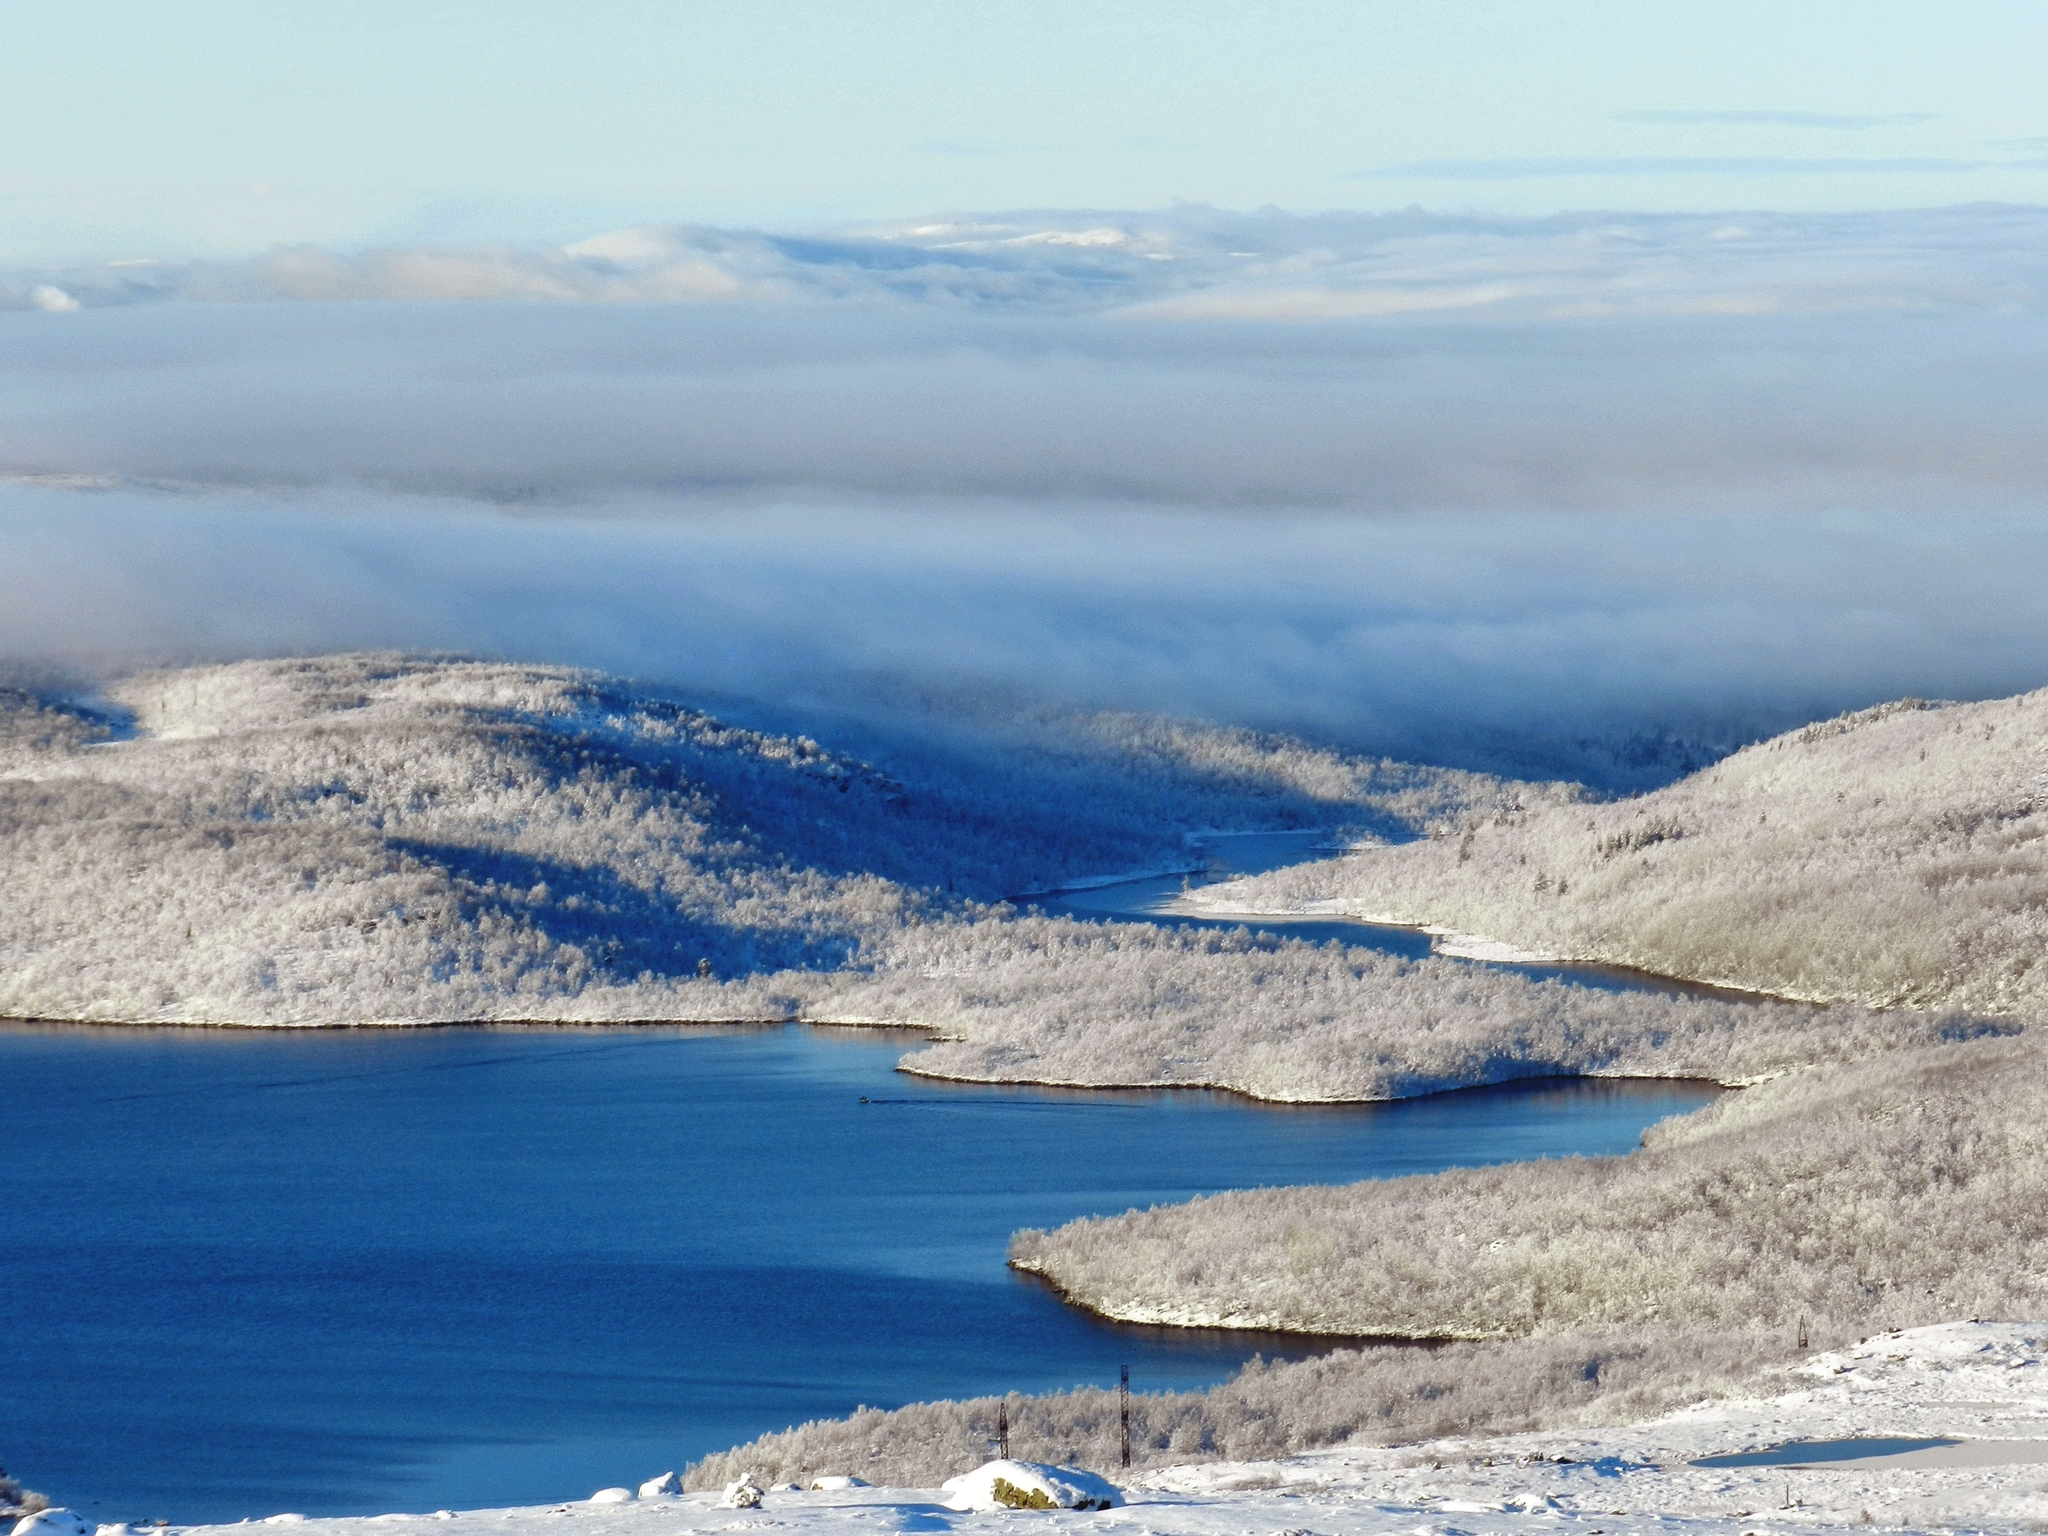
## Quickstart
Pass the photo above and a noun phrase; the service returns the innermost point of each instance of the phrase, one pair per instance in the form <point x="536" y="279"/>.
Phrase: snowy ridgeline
<point x="370" y="838"/>
<point x="1901" y="1191"/>
<point x="1896" y="856"/>
<point x="1939" y="1428"/>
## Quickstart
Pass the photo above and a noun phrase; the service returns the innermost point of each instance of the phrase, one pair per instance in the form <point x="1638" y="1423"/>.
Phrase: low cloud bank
<point x="1405" y="634"/>
<point x="565" y="403"/>
<point x="1583" y="474"/>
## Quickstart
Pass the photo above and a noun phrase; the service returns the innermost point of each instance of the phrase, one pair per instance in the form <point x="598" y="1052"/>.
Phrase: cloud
<point x="969" y="148"/>
<point x="1533" y="474"/>
<point x="1621" y="369"/>
<point x="1186" y="260"/>
<point x="1687" y="165"/>
<point x="1846" y="121"/>
<point x="1376" y="630"/>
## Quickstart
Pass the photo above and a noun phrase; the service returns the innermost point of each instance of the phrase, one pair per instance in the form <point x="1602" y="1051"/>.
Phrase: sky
<point x="133" y="130"/>
<point x="1419" y="377"/>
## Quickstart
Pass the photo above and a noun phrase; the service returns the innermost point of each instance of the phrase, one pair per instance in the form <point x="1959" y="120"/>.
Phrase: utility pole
<point x="1002" y="1431"/>
<point x="1123" y="1410"/>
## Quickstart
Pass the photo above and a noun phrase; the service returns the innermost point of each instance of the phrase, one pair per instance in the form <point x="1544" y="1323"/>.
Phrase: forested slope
<point x="1895" y="856"/>
<point x="376" y="838"/>
<point x="1904" y="1190"/>
<point x="1046" y="1001"/>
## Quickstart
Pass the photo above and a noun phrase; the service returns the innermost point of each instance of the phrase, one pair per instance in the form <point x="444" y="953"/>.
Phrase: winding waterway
<point x="1163" y="899"/>
<point x="339" y="1272"/>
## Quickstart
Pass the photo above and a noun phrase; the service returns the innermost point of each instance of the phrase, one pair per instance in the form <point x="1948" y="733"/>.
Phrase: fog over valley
<point x="1724" y="474"/>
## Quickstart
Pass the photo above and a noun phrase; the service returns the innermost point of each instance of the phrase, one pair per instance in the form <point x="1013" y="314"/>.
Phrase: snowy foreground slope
<point x="1974" y="1396"/>
<point x="377" y="839"/>
<point x="1893" y="857"/>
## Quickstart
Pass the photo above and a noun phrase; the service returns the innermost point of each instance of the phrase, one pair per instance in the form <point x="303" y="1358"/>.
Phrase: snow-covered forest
<point x="1895" y="856"/>
<point x="1051" y="1001"/>
<point x="372" y="839"/>
<point x="1900" y="1191"/>
<point x="376" y="839"/>
<point x="1377" y="1393"/>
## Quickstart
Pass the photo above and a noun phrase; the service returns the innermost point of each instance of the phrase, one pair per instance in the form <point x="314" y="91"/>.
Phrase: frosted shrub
<point x="1377" y="1394"/>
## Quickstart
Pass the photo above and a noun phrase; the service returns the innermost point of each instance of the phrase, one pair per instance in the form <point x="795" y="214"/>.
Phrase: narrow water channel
<point x="1163" y="899"/>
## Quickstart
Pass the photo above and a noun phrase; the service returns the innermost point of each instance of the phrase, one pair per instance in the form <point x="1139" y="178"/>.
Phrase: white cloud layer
<point x="1395" y="632"/>
<point x="1568" y="266"/>
<point x="1565" y="474"/>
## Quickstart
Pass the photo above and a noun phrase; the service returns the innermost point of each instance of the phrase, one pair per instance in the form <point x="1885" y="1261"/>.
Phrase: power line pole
<point x="1123" y="1409"/>
<point x="1002" y="1431"/>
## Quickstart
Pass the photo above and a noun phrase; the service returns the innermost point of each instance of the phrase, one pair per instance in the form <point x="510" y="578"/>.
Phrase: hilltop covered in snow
<point x="1892" y="857"/>
<point x="371" y="839"/>
<point x="1898" y="1192"/>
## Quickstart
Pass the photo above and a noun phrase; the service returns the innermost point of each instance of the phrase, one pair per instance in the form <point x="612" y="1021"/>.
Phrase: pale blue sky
<point x="222" y="126"/>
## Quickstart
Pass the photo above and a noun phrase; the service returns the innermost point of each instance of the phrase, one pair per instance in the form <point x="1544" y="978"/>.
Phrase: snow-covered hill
<point x="1895" y="856"/>
<point x="374" y="838"/>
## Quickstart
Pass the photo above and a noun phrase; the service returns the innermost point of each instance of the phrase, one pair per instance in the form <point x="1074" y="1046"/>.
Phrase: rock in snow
<point x="666" y="1486"/>
<point x="612" y="1496"/>
<point x="744" y="1494"/>
<point x="835" y="1484"/>
<point x="1029" y="1485"/>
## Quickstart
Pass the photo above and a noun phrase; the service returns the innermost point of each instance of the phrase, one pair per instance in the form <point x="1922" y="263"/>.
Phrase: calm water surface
<point x="347" y="1272"/>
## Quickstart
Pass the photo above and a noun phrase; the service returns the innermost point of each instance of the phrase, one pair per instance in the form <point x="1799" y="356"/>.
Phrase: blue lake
<point x="347" y="1272"/>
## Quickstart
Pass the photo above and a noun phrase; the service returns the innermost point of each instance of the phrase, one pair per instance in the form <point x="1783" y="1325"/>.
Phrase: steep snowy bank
<point x="1894" y="857"/>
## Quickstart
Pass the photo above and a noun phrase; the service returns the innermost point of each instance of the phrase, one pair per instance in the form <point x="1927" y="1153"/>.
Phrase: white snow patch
<point x="53" y="1522"/>
<point x="1475" y="946"/>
